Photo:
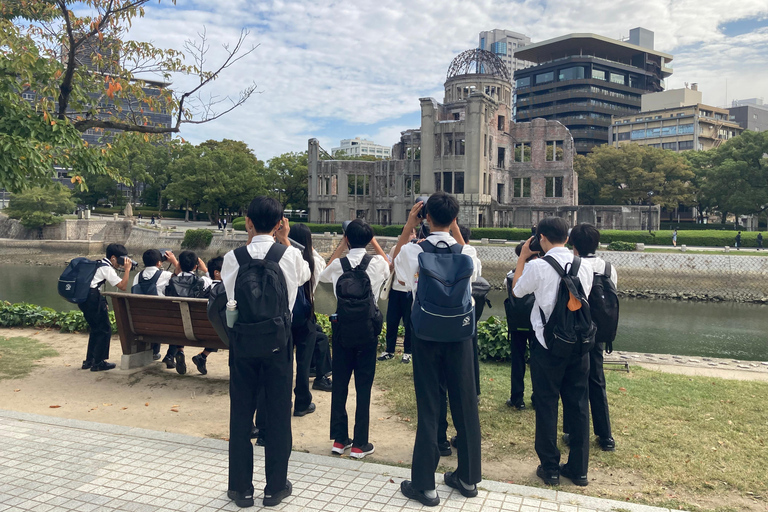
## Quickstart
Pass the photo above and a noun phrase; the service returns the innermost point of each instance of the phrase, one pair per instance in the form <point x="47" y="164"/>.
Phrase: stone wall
<point x="104" y="230"/>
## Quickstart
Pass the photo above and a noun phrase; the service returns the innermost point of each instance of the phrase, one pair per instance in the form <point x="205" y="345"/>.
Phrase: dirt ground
<point x="160" y="399"/>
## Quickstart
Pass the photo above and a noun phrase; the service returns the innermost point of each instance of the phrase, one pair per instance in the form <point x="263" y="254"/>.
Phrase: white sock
<point x="467" y="487"/>
<point x="431" y="494"/>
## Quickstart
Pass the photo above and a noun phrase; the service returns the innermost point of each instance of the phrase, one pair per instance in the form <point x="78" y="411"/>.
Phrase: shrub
<point x="197" y="239"/>
<point x="30" y="315"/>
<point x="621" y="246"/>
<point x="493" y="340"/>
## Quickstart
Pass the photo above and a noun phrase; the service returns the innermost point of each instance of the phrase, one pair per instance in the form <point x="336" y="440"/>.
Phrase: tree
<point x="62" y="74"/>
<point x="289" y="174"/>
<point x="38" y="207"/>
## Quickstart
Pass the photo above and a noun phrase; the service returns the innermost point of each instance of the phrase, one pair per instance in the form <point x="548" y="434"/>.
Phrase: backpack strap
<point x="151" y="280"/>
<point x="608" y="269"/>
<point x="364" y="264"/>
<point x="575" y="266"/>
<point x="275" y="253"/>
<point x="345" y="266"/>
<point x="428" y="246"/>
<point x="242" y="255"/>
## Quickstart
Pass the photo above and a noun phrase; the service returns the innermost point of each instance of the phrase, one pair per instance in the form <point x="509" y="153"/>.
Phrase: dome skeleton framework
<point x="480" y="62"/>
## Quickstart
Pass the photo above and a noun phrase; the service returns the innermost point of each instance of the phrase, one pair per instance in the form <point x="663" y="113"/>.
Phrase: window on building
<point x="490" y="148"/>
<point x="666" y="131"/>
<point x="485" y="145"/>
<point x="573" y="73"/>
<point x="523" y="82"/>
<point x="485" y="187"/>
<point x="447" y="144"/>
<point x="554" y="151"/>
<point x="638" y="134"/>
<point x="456" y="116"/>
<point x="438" y="182"/>
<point x="501" y="158"/>
<point x="327" y="215"/>
<point x="623" y="135"/>
<point x="361" y="214"/>
<point x="438" y="144"/>
<point x="685" y="128"/>
<point x="635" y="82"/>
<point x="543" y="78"/>
<point x="521" y="187"/>
<point x="500" y="193"/>
<point x="458" y="182"/>
<point x="500" y="123"/>
<point x="523" y="152"/>
<point x="554" y="187"/>
<point x="618" y="78"/>
<point x="669" y="145"/>
<point x="684" y="145"/>
<point x="448" y="182"/>
<point x="459" y="144"/>
<point x="598" y="74"/>
<point x="653" y="132"/>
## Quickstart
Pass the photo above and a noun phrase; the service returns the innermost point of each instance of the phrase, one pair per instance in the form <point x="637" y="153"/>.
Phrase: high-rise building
<point x="504" y="43"/>
<point x="362" y="147"/>
<point x="582" y="80"/>
<point x="750" y="114"/>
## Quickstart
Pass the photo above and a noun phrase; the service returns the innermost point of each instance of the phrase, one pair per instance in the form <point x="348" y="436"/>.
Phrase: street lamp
<point x="650" y="204"/>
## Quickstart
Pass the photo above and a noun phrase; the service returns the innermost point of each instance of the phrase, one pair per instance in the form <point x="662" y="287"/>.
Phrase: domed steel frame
<point x="478" y="61"/>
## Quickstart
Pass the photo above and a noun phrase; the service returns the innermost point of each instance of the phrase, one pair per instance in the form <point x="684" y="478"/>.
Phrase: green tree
<point x="38" y="207"/>
<point x="289" y="174"/>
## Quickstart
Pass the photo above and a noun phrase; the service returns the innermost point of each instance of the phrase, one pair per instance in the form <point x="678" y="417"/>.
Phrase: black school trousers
<point x="450" y="363"/>
<point x="399" y="307"/>
<point x="552" y="378"/>
<point x="442" y="427"/>
<point x="96" y="313"/>
<point x="360" y="360"/>
<point x="321" y="357"/>
<point x="248" y="375"/>
<point x="304" y="337"/>
<point x="519" y="342"/>
<point x="598" y="398"/>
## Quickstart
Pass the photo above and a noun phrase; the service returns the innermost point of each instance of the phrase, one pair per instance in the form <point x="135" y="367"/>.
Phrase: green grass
<point x="732" y="252"/>
<point x="19" y="355"/>
<point x="698" y="436"/>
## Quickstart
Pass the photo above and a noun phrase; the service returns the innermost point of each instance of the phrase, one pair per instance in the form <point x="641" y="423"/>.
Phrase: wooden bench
<point x="146" y="319"/>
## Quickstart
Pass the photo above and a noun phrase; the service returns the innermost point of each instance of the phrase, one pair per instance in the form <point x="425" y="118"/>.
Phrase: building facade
<point x="362" y="147"/>
<point x="750" y="114"/>
<point x="582" y="80"/>
<point x="504" y="44"/>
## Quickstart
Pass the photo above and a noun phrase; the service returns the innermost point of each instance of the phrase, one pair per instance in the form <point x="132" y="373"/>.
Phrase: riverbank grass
<point x="19" y="355"/>
<point x="687" y="437"/>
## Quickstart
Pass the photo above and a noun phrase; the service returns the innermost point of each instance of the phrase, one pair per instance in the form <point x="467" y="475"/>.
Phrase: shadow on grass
<point x="19" y="355"/>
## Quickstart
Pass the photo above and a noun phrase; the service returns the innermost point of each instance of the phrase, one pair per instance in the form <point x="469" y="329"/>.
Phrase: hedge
<point x="197" y="239"/>
<point x="693" y="226"/>
<point x="23" y="314"/>
<point x="621" y="246"/>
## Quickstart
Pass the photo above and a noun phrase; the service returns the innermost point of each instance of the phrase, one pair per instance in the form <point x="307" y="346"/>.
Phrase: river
<point x="726" y="329"/>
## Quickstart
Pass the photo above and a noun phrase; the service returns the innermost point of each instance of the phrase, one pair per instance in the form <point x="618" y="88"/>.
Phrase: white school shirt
<point x="407" y="261"/>
<point x="396" y="286"/>
<point x="540" y="279"/>
<point x="378" y="270"/>
<point x="162" y="281"/>
<point x="105" y="273"/>
<point x="319" y="267"/>
<point x="295" y="269"/>
<point x="598" y="267"/>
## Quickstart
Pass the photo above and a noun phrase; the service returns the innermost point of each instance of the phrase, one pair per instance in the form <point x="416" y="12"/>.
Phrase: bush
<point x="692" y="226"/>
<point x="493" y="340"/>
<point x="30" y="315"/>
<point x="197" y="239"/>
<point x="621" y="246"/>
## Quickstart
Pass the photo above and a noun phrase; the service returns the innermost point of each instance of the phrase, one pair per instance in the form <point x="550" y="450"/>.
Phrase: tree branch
<point x="87" y="124"/>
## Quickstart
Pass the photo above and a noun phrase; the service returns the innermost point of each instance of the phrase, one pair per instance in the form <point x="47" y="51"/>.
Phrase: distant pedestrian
<point x="220" y="225"/>
<point x="224" y="222"/>
<point x="738" y="241"/>
<point x="759" y="241"/>
<point x="152" y="221"/>
<point x="674" y="238"/>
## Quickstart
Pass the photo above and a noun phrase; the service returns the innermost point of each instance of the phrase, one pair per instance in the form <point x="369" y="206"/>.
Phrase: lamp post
<point x="650" y="204"/>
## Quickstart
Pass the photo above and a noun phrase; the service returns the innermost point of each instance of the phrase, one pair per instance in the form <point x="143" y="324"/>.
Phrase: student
<point x="759" y="241"/>
<point x="434" y="362"/>
<point x="260" y="354"/>
<point x="553" y="376"/>
<point x="398" y="307"/>
<point x="585" y="239"/>
<point x="153" y="280"/>
<point x="738" y="241"/>
<point x="216" y="288"/>
<point x="185" y="283"/>
<point x="357" y="280"/>
<point x="674" y="238"/>
<point x="96" y="311"/>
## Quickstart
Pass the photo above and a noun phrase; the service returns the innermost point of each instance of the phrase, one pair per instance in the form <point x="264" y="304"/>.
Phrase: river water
<point x="729" y="330"/>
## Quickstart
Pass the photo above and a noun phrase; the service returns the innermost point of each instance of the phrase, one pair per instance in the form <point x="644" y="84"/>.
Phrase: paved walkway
<point x="49" y="464"/>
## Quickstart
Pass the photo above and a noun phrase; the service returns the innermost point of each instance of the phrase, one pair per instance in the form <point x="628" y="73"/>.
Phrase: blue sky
<point x="334" y="70"/>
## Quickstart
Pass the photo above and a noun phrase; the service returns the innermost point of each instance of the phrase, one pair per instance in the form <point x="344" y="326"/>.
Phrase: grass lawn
<point x="19" y="355"/>
<point x="733" y="252"/>
<point x="687" y="437"/>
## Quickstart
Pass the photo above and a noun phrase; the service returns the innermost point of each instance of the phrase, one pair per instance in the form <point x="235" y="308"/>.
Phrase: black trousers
<point x="450" y="363"/>
<point x="519" y="341"/>
<point x="321" y="357"/>
<point x="552" y="378"/>
<point x="361" y="361"/>
<point x="304" y="338"/>
<point x="96" y="313"/>
<point x="598" y="399"/>
<point x="275" y="374"/>
<point x="398" y="307"/>
<point x="442" y="426"/>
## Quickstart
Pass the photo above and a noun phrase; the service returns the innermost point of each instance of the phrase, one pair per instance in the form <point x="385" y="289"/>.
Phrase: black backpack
<point x="569" y="332"/>
<point x="186" y="286"/>
<point x="217" y="304"/>
<point x="75" y="282"/>
<point x="359" y="318"/>
<point x="146" y="286"/>
<point x="518" y="310"/>
<point x="604" y="306"/>
<point x="302" y="309"/>
<point x="480" y="290"/>
<point x="263" y="324"/>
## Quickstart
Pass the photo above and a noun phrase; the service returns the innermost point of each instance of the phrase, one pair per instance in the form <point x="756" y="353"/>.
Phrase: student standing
<point x="450" y="361"/>
<point x="398" y="307"/>
<point x="262" y="354"/>
<point x="216" y="288"/>
<point x="357" y="280"/>
<point x="738" y="241"/>
<point x="153" y="280"/>
<point x="95" y="308"/>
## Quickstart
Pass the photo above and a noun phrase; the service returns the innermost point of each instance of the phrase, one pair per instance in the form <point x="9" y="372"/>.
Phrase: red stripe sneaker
<point x="341" y="447"/>
<point x="359" y="452"/>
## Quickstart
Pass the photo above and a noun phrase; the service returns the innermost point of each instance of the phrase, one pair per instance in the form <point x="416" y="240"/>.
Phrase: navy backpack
<point x="146" y="286"/>
<point x="75" y="281"/>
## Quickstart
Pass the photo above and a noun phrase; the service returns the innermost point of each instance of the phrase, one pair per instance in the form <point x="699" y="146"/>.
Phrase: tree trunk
<point x="186" y="212"/>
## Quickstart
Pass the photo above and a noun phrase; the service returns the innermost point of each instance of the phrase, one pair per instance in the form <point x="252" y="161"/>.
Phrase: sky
<point x="334" y="70"/>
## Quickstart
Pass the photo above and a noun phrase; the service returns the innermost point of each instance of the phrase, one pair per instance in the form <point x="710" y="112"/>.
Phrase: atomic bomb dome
<point x="478" y="62"/>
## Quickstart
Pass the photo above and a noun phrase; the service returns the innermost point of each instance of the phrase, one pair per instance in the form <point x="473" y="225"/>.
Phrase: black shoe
<point x="550" y="477"/>
<point x="181" y="363"/>
<point x="254" y="432"/>
<point x="87" y="364"/>
<point x="169" y="362"/>
<point x="607" y="444"/>
<point x="308" y="410"/>
<point x="445" y="449"/>
<point x="577" y="480"/>
<point x="199" y="361"/>
<point x="323" y="384"/>
<point x="313" y="372"/>
<point x="567" y="439"/>
<point x="385" y="356"/>
<point x="242" y="499"/>
<point x="520" y="406"/>
<point x="452" y="480"/>
<point x="272" y="500"/>
<point x="102" y="366"/>
<point x="453" y="441"/>
<point x="260" y="440"/>
<point x="156" y="356"/>
<point x="409" y="492"/>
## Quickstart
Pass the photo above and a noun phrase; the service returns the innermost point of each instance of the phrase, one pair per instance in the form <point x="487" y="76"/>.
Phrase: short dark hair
<point x="151" y="257"/>
<point x="554" y="228"/>
<point x="116" y="250"/>
<point x="187" y="261"/>
<point x="215" y="264"/>
<point x="359" y="234"/>
<point x="466" y="233"/>
<point x="585" y="238"/>
<point x="265" y="212"/>
<point x="442" y="208"/>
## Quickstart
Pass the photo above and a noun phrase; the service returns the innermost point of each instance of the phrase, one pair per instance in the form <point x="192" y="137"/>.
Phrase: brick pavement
<point x="51" y="464"/>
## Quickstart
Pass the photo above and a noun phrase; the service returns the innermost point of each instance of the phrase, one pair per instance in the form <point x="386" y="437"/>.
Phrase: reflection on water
<point x="730" y="330"/>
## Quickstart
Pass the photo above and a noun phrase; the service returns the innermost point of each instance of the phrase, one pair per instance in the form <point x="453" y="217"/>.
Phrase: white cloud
<point x="368" y="62"/>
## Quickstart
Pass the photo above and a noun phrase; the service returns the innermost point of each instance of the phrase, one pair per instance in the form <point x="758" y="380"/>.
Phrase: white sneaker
<point x="406" y="358"/>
